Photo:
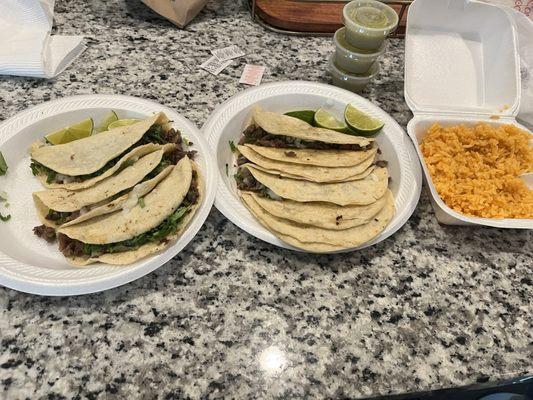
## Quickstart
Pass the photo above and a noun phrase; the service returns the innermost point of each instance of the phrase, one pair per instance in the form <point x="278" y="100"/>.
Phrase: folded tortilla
<point x="103" y="207"/>
<point x="284" y="125"/>
<point x="88" y="155"/>
<point x="131" y="256"/>
<point x="321" y="158"/>
<point x="126" y="224"/>
<point x="360" y="192"/>
<point x="63" y="200"/>
<point x="172" y="186"/>
<point x="321" y="215"/>
<point x="309" y="172"/>
<point x="135" y="153"/>
<point x="318" y="239"/>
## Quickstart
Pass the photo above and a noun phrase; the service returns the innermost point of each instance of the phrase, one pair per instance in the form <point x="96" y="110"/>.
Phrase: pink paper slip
<point x="252" y="74"/>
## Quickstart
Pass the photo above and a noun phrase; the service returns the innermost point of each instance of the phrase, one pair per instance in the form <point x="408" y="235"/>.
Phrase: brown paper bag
<point x="180" y="12"/>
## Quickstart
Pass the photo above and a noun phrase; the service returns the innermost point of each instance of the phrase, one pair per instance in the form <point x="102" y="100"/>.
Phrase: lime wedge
<point x="361" y="123"/>
<point x="305" y="115"/>
<point x="122" y="122"/>
<point x="77" y="131"/>
<point x="324" y="119"/>
<point x="108" y="120"/>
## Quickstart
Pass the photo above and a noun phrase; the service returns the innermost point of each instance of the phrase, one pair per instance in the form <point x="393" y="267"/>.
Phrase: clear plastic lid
<point x="461" y="57"/>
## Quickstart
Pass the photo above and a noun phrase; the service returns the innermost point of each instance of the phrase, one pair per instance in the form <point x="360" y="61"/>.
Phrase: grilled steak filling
<point x="74" y="248"/>
<point x="45" y="232"/>
<point x="258" y="136"/>
<point x="246" y="181"/>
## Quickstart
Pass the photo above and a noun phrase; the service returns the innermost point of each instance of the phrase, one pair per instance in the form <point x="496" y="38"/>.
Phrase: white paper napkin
<point x="27" y="48"/>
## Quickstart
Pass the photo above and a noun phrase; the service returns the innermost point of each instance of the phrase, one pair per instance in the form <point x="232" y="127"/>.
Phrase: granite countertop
<point x="432" y="306"/>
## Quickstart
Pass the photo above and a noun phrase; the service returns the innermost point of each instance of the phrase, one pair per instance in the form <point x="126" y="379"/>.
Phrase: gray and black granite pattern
<point x="233" y="317"/>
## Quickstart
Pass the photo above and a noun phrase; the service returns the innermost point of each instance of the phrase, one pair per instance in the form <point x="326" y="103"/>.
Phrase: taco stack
<point x="316" y="189"/>
<point x="117" y="196"/>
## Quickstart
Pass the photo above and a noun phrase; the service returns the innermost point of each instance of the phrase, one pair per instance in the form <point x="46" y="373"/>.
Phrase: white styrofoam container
<point x="461" y="67"/>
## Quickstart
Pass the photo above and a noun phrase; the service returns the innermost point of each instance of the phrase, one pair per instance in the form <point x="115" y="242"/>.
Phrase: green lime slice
<point x="77" y="131"/>
<point x="361" y="123"/>
<point x="305" y="115"/>
<point x="122" y="122"/>
<point x="324" y="119"/>
<point x="108" y="120"/>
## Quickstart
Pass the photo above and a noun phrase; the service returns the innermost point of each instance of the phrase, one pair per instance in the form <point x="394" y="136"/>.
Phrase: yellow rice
<point x="475" y="169"/>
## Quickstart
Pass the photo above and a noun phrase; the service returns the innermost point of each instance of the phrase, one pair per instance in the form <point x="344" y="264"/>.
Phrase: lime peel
<point x="108" y="120"/>
<point x="360" y="123"/>
<point x="304" y="115"/>
<point x="77" y="131"/>
<point x="325" y="119"/>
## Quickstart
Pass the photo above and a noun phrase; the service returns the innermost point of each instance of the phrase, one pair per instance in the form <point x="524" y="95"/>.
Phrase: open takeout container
<point x="461" y="67"/>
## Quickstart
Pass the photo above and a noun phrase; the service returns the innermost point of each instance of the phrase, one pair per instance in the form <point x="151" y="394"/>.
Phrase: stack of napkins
<point x="27" y="48"/>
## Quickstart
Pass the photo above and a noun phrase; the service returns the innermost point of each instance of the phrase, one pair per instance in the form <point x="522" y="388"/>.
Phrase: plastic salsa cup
<point x="352" y="59"/>
<point x="368" y="22"/>
<point x="353" y="82"/>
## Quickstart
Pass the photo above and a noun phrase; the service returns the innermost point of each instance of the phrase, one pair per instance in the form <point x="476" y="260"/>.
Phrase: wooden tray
<point x="312" y="17"/>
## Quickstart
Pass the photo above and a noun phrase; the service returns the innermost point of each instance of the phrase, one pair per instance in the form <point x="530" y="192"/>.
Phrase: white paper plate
<point x="229" y="120"/>
<point x="28" y="263"/>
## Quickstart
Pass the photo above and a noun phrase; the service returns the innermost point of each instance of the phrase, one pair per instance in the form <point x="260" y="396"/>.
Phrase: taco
<point x="84" y="162"/>
<point x="318" y="239"/>
<point x="308" y="172"/>
<point x="57" y="207"/>
<point x="320" y="214"/>
<point x="360" y="192"/>
<point x="146" y="226"/>
<point x="321" y="158"/>
<point x="270" y="129"/>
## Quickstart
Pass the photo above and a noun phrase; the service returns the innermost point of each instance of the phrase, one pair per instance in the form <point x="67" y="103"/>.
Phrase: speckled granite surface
<point x="233" y="317"/>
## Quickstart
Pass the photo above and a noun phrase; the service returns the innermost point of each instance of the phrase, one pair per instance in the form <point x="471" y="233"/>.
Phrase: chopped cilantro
<point x="3" y="165"/>
<point x="167" y="227"/>
<point x="141" y="202"/>
<point x="5" y="218"/>
<point x="232" y="146"/>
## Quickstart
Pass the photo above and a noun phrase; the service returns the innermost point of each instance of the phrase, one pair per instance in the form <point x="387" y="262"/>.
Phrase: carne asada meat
<point x="258" y="136"/>
<point x="45" y="232"/>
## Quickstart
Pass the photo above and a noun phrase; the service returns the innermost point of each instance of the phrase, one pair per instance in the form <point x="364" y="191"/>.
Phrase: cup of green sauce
<point x="353" y="59"/>
<point x="368" y="22"/>
<point x="353" y="82"/>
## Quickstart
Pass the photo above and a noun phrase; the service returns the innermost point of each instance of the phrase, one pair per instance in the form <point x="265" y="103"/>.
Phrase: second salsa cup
<point x="352" y="59"/>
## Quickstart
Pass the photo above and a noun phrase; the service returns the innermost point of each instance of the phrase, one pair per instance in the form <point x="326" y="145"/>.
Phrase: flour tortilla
<point x="321" y="215"/>
<point x="284" y="125"/>
<point x="361" y="192"/>
<point x="310" y="238"/>
<point x="88" y="155"/>
<point x="104" y="207"/>
<point x="136" y="152"/>
<point x="162" y="201"/>
<point x="320" y="158"/>
<point x="308" y="172"/>
<point x="68" y="201"/>
<point x="131" y="256"/>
